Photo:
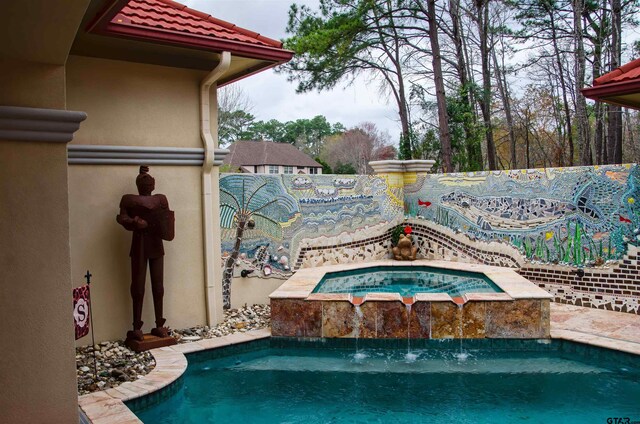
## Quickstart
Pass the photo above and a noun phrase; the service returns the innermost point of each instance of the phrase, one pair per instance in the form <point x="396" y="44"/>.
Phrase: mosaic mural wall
<point x="579" y="216"/>
<point x="543" y="222"/>
<point x="291" y="213"/>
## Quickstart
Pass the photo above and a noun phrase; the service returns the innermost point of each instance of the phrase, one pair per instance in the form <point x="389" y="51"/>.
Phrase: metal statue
<point x="149" y="218"/>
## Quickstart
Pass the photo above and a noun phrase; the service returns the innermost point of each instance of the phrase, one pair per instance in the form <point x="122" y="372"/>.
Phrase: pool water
<point x="406" y="280"/>
<point x="278" y="385"/>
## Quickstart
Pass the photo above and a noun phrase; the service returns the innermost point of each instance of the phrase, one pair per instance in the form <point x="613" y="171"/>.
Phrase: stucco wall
<point x="37" y="368"/>
<point x="252" y="290"/>
<point x="101" y="245"/>
<point x="30" y="84"/>
<point x="135" y="104"/>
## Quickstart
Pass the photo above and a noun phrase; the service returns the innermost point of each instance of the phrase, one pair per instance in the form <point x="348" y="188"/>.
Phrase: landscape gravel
<point x="115" y="363"/>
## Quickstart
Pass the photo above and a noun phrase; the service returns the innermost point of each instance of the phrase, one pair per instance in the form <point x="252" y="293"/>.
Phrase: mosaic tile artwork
<point x="308" y="207"/>
<point x="577" y="216"/>
<point x="542" y="222"/>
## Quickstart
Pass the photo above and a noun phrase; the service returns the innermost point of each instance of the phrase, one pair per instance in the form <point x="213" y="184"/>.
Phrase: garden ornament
<point x="148" y="217"/>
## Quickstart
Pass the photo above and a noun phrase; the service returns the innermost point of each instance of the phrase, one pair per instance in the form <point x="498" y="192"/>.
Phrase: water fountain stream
<point x="409" y="356"/>
<point x="408" y="301"/>
<point x="461" y="355"/>
<point x="357" y="322"/>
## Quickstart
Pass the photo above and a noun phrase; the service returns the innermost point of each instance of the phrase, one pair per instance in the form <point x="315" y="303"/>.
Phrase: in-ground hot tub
<point x="393" y="299"/>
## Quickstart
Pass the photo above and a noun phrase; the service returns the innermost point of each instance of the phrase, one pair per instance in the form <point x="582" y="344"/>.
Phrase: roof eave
<point x="198" y="42"/>
<point x="247" y="73"/>
<point x="600" y="92"/>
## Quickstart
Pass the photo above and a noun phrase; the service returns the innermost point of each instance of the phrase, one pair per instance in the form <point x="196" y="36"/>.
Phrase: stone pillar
<point x="400" y="173"/>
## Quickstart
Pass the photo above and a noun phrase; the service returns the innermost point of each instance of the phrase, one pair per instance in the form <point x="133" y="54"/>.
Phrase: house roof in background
<point x="169" y="22"/>
<point x="620" y="86"/>
<point x="248" y="153"/>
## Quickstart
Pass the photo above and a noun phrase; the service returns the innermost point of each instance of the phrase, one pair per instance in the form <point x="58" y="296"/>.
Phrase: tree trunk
<point x="581" y="103"/>
<point x="567" y="111"/>
<point x="599" y="144"/>
<point x="599" y="30"/>
<point x="614" y="144"/>
<point x="506" y="102"/>
<point x="405" y="138"/>
<point x="482" y="9"/>
<point x="443" y="118"/>
<point x="472" y="147"/>
<point x="230" y="264"/>
<point x="559" y="153"/>
<point x="526" y="141"/>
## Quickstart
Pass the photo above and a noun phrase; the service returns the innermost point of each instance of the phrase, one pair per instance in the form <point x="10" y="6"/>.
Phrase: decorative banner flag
<point x="81" y="305"/>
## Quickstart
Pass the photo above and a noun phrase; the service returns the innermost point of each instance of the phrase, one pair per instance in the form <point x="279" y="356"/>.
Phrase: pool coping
<point x="513" y="285"/>
<point x="107" y="406"/>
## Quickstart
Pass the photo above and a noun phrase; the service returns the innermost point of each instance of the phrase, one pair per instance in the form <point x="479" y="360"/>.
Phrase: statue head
<point x="145" y="182"/>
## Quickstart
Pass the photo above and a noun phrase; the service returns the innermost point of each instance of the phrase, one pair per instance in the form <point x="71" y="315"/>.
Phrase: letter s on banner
<point x="81" y="306"/>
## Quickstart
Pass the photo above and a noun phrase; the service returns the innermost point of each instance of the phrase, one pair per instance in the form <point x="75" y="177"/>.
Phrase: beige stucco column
<point x="37" y="362"/>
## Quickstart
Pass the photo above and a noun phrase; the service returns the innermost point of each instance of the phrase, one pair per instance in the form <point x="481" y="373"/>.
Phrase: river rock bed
<point x="117" y="364"/>
<point x="235" y="320"/>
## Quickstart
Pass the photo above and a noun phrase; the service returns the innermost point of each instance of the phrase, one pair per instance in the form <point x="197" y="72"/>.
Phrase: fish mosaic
<point x="577" y="215"/>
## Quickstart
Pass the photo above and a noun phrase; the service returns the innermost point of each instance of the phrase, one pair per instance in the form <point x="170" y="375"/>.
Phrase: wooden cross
<point x="88" y="277"/>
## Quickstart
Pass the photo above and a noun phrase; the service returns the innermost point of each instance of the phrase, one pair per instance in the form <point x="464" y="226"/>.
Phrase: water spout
<point x="357" y="300"/>
<point x="357" y="322"/>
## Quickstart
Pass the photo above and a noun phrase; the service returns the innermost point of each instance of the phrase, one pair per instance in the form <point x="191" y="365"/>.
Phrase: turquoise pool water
<point x="308" y="385"/>
<point x="406" y="280"/>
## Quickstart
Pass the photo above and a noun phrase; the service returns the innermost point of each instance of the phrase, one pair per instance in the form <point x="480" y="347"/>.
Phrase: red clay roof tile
<point x="626" y="72"/>
<point x="172" y="16"/>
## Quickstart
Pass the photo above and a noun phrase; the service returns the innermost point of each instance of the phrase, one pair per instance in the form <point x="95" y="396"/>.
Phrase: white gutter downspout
<point x="211" y="196"/>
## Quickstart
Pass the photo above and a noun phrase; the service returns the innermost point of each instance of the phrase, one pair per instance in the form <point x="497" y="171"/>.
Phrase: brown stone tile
<point x="296" y="318"/>
<point x="420" y="320"/>
<point x="338" y="319"/>
<point x="545" y="317"/>
<point x="368" y="325"/>
<point x="391" y="320"/>
<point x="473" y="320"/>
<point x="445" y="320"/>
<point x="518" y="319"/>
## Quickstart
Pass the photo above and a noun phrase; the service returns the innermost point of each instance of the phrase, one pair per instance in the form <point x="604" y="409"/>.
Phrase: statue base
<point x="149" y="342"/>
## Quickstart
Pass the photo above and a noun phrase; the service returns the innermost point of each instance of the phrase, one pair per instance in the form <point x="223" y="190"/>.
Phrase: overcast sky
<point x="275" y="98"/>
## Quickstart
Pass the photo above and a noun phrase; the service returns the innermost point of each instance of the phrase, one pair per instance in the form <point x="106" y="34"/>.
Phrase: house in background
<point x="268" y="157"/>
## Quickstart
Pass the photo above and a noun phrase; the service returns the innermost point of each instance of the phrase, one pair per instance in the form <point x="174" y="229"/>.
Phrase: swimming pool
<point x="405" y="280"/>
<point x="508" y="381"/>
